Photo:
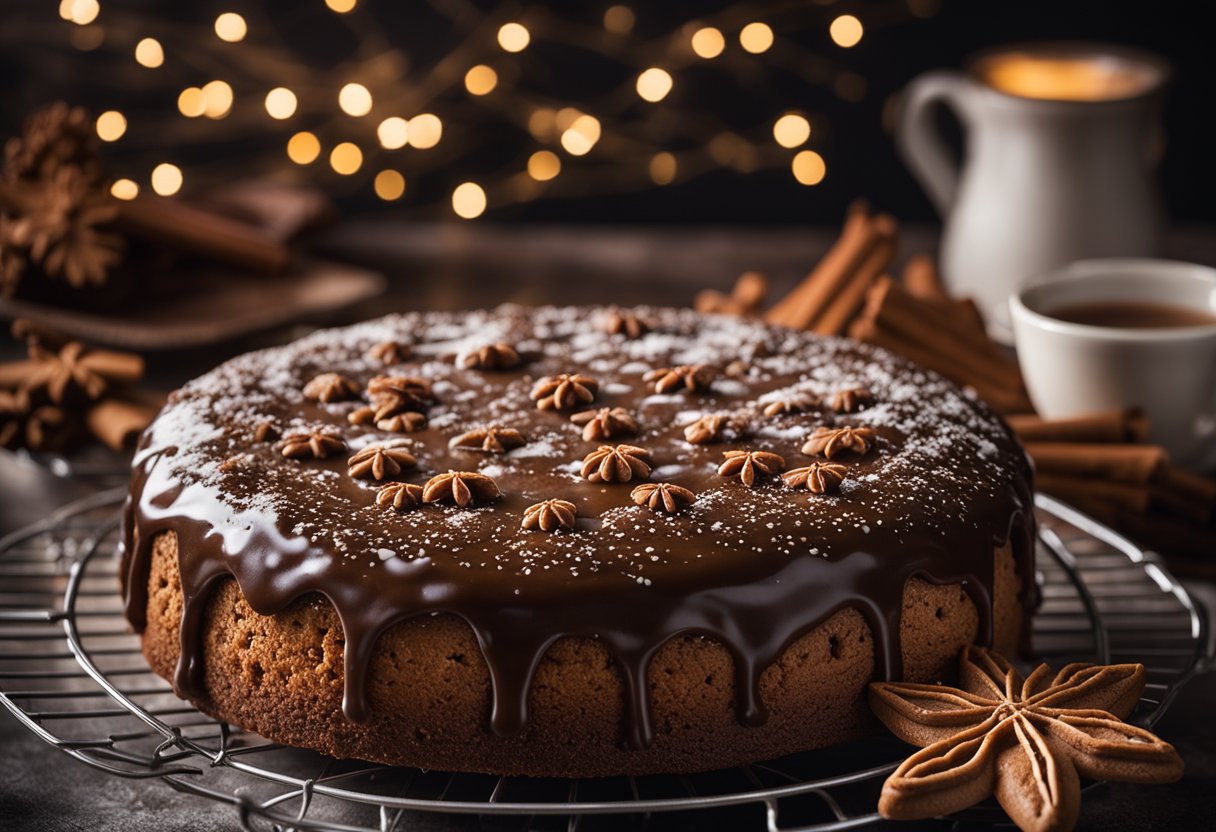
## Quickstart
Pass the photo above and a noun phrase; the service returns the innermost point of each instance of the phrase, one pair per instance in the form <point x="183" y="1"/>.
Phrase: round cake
<point x="570" y="541"/>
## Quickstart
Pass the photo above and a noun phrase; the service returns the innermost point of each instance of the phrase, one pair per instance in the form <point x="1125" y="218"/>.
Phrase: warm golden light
<point x="124" y="189"/>
<point x="303" y="148"/>
<point x="756" y="37"/>
<point x="148" y="52"/>
<point x="513" y="37"/>
<point x="340" y="6"/>
<point x="425" y="131"/>
<point x="566" y="116"/>
<point x="355" y="100"/>
<point x="468" y="200"/>
<point x="80" y="12"/>
<point x="346" y="158"/>
<point x="542" y="123"/>
<point x="166" y="179"/>
<point x="619" y="20"/>
<point x="389" y="185"/>
<point x="654" y="84"/>
<point x="217" y="99"/>
<point x="1064" y="78"/>
<point x="662" y="168"/>
<point x="708" y="42"/>
<point x="581" y="136"/>
<point x="480" y="80"/>
<point x="191" y="102"/>
<point x="230" y="27"/>
<point x="846" y="31"/>
<point x="111" y="125"/>
<point x="791" y="130"/>
<point x="809" y="167"/>
<point x="393" y="133"/>
<point x="543" y="165"/>
<point x="281" y="103"/>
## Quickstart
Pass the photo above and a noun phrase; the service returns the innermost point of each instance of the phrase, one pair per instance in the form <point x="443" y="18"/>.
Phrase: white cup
<point x="1072" y="369"/>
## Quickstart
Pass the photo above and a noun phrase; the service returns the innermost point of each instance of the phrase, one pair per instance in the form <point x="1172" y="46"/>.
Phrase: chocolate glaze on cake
<point x="753" y="567"/>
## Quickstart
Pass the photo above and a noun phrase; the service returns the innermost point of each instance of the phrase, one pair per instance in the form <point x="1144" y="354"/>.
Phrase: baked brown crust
<point x="281" y="676"/>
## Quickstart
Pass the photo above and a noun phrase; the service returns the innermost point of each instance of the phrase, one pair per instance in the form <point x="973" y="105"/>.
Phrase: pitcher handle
<point x="918" y="140"/>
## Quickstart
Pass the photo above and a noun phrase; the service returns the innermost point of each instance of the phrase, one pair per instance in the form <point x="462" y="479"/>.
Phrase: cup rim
<point x="1096" y="268"/>
<point x="1049" y="48"/>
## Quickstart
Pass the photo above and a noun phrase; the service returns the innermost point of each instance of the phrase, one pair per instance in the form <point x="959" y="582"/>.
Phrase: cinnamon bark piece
<point x="1128" y="425"/>
<point x="1118" y="462"/>
<point x="808" y="299"/>
<point x="117" y="422"/>
<point x="922" y="279"/>
<point x="842" y="308"/>
<point x="185" y="227"/>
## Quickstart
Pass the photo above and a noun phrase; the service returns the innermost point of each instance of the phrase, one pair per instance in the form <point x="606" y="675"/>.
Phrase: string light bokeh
<point x="404" y="130"/>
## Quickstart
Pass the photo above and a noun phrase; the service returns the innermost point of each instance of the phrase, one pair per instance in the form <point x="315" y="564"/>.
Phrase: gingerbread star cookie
<point x="1026" y="741"/>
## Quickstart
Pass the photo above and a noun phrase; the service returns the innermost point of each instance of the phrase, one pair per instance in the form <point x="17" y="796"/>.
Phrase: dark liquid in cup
<point x="1133" y="314"/>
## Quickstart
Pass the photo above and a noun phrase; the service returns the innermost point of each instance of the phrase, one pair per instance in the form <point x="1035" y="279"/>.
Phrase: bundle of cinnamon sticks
<point x="65" y="392"/>
<point x="1101" y="463"/>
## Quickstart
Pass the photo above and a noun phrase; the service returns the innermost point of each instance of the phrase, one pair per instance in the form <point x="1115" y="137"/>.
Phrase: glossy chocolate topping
<point x="941" y="483"/>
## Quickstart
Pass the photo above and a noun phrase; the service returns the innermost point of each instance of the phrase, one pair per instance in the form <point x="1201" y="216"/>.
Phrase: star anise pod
<point x="58" y="223"/>
<point x="492" y="439"/>
<point x="401" y="496"/>
<point x="605" y="423"/>
<point x="692" y="377"/>
<point x="265" y="432"/>
<point x="817" y="478"/>
<point x="13" y="409"/>
<point x="616" y="463"/>
<point x="790" y="405"/>
<point x="662" y="496"/>
<point x="72" y="373"/>
<point x="550" y="515"/>
<point x="51" y="428"/>
<point x="490" y="357"/>
<point x="851" y="399"/>
<point x="331" y="387"/>
<point x="362" y="416"/>
<point x="381" y="461"/>
<point x="1026" y="741"/>
<point x="407" y="421"/>
<point x="706" y="429"/>
<point x="834" y="442"/>
<point x="749" y="465"/>
<point x="460" y="487"/>
<point x="316" y="444"/>
<point x="390" y="352"/>
<point x="564" y="392"/>
<point x="624" y="322"/>
<point x="391" y="395"/>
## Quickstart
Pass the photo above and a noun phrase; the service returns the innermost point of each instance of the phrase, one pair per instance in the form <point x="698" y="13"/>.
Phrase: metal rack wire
<point x="72" y="674"/>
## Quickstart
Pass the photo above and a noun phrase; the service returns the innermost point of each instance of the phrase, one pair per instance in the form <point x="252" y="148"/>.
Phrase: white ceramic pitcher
<point x="1061" y="169"/>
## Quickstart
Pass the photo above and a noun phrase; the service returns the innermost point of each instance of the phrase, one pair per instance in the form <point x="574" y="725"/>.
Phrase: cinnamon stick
<point x="1001" y="400"/>
<point x="842" y="308"/>
<point x="117" y="422"/>
<point x="14" y="374"/>
<point x="1108" y="426"/>
<point x="1138" y="464"/>
<point x="182" y="226"/>
<point x="749" y="291"/>
<point x="1078" y="490"/>
<point x="807" y="300"/>
<point x="922" y="280"/>
<point x="890" y="309"/>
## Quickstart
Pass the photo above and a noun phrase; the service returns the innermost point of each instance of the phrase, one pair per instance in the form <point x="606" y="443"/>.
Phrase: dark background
<point x="852" y="136"/>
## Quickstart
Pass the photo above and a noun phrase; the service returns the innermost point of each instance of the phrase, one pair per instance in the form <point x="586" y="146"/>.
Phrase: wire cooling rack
<point x="72" y="673"/>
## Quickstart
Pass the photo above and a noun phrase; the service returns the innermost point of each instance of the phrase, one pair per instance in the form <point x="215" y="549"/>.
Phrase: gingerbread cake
<point x="569" y="541"/>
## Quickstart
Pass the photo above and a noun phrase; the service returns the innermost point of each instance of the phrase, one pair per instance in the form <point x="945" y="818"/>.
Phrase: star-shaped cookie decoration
<point x="1026" y="741"/>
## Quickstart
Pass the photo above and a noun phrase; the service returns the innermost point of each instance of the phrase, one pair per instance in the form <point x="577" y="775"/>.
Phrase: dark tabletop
<point x="475" y="265"/>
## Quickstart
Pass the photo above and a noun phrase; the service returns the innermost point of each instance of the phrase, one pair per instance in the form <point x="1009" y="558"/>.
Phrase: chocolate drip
<point x="751" y="568"/>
